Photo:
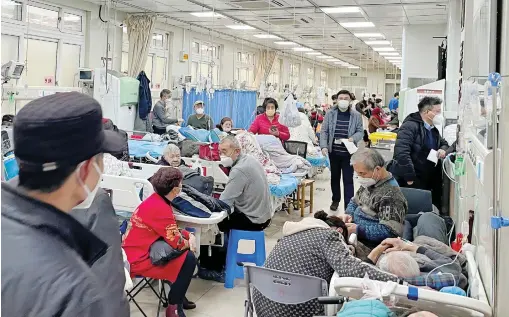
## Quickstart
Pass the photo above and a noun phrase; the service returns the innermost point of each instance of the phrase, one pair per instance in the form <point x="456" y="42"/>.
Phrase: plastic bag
<point x="377" y="290"/>
<point x="290" y="116"/>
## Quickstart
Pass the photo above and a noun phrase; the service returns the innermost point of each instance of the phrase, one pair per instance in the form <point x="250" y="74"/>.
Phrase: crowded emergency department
<point x="241" y="158"/>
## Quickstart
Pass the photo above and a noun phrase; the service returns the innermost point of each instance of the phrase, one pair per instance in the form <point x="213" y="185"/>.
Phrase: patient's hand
<point x="377" y="252"/>
<point x="396" y="244"/>
<point x="352" y="228"/>
<point x="346" y="218"/>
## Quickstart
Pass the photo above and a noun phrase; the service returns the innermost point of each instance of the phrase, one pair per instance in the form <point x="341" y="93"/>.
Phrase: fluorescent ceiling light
<point x="10" y="3"/>
<point x="302" y="49"/>
<point x="351" y="25"/>
<point x="341" y="10"/>
<point x="207" y="14"/>
<point x="383" y="49"/>
<point x="314" y="53"/>
<point x="266" y="36"/>
<point x="389" y="53"/>
<point x="323" y="56"/>
<point x="240" y="27"/>
<point x="341" y="63"/>
<point x="353" y="67"/>
<point x="285" y="43"/>
<point x="378" y="42"/>
<point x="373" y="35"/>
<point x="333" y="60"/>
<point x="393" y="58"/>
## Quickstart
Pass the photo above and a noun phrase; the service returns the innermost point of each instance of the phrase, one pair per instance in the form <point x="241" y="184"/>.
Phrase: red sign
<point x="49" y="80"/>
<point x="157" y="86"/>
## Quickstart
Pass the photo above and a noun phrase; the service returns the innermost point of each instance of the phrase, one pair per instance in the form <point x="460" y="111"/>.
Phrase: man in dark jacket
<point x="101" y="219"/>
<point x="47" y="255"/>
<point x="418" y="139"/>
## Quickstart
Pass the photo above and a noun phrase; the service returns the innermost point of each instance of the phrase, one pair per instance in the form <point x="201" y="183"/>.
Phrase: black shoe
<point x="187" y="304"/>
<point x="334" y="206"/>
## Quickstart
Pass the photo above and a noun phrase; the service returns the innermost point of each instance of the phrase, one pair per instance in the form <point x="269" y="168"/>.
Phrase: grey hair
<point x="232" y="140"/>
<point x="399" y="263"/>
<point x="171" y="149"/>
<point x="369" y="157"/>
<point x="427" y="104"/>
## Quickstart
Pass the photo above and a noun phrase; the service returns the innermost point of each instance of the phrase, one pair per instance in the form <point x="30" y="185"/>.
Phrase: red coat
<point x="262" y="124"/>
<point x="152" y="220"/>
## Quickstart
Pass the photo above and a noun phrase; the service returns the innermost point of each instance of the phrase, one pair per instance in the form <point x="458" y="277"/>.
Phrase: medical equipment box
<point x="129" y="88"/>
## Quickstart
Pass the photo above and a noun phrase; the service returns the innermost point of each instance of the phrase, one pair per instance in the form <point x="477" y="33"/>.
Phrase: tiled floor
<point x="212" y="299"/>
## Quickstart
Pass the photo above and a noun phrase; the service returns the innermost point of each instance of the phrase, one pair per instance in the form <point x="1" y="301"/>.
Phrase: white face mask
<point x="343" y="104"/>
<point x="90" y="193"/>
<point x="365" y="182"/>
<point x="199" y="110"/>
<point x="228" y="129"/>
<point x="438" y="119"/>
<point x="226" y="161"/>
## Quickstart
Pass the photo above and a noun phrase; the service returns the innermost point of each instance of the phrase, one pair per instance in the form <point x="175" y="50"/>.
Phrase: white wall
<point x="420" y="51"/>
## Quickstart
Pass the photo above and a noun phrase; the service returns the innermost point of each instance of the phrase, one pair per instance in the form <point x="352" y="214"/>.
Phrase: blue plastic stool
<point x="233" y="270"/>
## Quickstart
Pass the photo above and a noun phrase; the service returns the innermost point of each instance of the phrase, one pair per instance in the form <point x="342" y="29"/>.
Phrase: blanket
<point x="195" y="204"/>
<point x="249" y="145"/>
<point x="304" y="133"/>
<point x="287" y="163"/>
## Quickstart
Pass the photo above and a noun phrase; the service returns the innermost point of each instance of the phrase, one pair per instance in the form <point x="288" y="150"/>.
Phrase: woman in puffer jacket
<point x="315" y="247"/>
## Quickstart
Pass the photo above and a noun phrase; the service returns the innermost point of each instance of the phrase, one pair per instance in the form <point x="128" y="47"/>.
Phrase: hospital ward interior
<point x="269" y="158"/>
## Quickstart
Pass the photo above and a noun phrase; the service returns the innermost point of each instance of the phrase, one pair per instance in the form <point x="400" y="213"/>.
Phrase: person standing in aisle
<point x="341" y="122"/>
<point x="394" y="103"/>
<point x="47" y="255"/>
<point x="417" y="142"/>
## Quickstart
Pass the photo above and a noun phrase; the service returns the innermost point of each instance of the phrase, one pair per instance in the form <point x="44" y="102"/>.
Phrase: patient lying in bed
<point x="399" y="259"/>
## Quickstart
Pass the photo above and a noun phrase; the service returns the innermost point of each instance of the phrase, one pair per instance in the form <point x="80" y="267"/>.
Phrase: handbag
<point x="210" y="152"/>
<point x="161" y="253"/>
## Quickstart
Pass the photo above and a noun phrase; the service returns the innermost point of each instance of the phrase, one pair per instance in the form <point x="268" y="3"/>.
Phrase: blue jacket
<point x="394" y="104"/>
<point x="355" y="129"/>
<point x="144" y="96"/>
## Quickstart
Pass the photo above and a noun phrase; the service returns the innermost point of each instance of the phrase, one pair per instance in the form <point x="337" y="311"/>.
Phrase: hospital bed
<point x="125" y="196"/>
<point x="442" y="304"/>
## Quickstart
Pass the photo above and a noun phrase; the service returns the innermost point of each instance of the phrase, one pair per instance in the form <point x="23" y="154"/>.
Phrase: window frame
<point x="24" y="30"/>
<point x="213" y="60"/>
<point x="245" y="61"/>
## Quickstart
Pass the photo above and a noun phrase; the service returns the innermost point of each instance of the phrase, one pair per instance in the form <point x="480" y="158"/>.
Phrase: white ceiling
<point x="300" y="21"/>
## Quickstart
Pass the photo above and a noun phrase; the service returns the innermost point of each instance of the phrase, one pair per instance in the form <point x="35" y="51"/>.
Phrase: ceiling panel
<point x="334" y="3"/>
<point x="368" y="2"/>
<point x="384" y="11"/>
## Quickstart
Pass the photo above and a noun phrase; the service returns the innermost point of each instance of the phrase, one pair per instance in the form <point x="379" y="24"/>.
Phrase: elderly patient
<point x="247" y="192"/>
<point x="399" y="260"/>
<point x="378" y="209"/>
<point x="171" y="156"/>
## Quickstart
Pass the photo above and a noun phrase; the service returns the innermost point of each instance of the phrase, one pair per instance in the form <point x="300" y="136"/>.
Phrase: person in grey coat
<point x="315" y="247"/>
<point x="341" y="123"/>
<point x="47" y="255"/>
<point x="161" y="118"/>
<point x="101" y="219"/>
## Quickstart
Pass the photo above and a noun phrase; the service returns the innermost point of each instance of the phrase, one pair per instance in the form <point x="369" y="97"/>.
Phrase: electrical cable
<point x="100" y="10"/>
<point x="448" y="158"/>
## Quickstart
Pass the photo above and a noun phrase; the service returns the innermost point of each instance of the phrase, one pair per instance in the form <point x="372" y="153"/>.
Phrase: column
<point x="453" y="59"/>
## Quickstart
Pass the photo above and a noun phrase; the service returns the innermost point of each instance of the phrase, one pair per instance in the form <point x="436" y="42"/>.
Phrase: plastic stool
<point x="233" y="270"/>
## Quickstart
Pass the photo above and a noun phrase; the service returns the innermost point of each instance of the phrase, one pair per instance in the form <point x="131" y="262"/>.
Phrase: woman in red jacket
<point x="154" y="220"/>
<point x="268" y="122"/>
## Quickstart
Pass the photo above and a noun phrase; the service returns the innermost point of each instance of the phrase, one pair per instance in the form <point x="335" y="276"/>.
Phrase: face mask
<point x="438" y="119"/>
<point x="90" y="193"/>
<point x="270" y="112"/>
<point x="365" y="182"/>
<point x="199" y="110"/>
<point x="343" y="105"/>
<point x="227" y="129"/>
<point x="226" y="161"/>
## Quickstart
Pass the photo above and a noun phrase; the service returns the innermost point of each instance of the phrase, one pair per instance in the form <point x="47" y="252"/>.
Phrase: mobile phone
<point x="273" y="128"/>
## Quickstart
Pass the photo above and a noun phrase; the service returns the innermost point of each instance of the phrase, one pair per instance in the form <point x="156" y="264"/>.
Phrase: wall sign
<point x="49" y="80"/>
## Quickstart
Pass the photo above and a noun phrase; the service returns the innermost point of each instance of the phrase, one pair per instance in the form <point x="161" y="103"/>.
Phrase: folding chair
<point x="281" y="287"/>
<point x="145" y="281"/>
<point x="296" y="148"/>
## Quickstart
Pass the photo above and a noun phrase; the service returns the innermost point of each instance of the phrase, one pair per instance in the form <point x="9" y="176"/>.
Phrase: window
<point x="72" y="22"/>
<point x="42" y="16"/>
<point x="205" y="62"/>
<point x="70" y="64"/>
<point x="11" y="10"/>
<point x="156" y="66"/>
<point x="50" y="38"/>
<point x="41" y="62"/>
<point x="310" y="81"/>
<point x="245" y="68"/>
<point x="10" y="48"/>
<point x="294" y="75"/>
<point x="323" y="78"/>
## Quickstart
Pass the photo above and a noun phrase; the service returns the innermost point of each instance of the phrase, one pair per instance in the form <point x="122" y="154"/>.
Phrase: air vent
<point x="304" y="20"/>
<point x="279" y="21"/>
<point x="256" y="4"/>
